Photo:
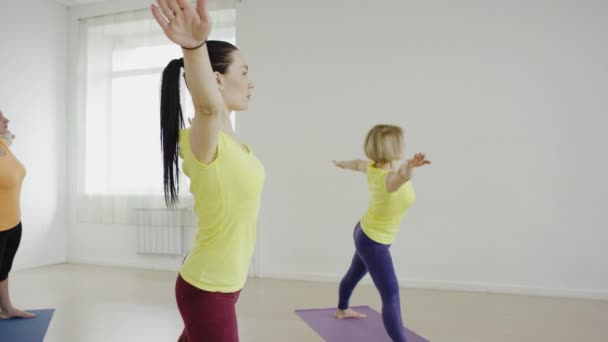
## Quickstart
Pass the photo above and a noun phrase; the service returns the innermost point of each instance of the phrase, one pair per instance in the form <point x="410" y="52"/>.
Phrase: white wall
<point x="508" y="99"/>
<point x="115" y="245"/>
<point x="33" y="71"/>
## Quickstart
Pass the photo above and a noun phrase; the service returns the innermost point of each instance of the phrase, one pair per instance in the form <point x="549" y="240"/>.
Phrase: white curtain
<point x="117" y="154"/>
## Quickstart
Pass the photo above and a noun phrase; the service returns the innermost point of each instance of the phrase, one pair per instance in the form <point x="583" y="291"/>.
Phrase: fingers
<point x="185" y="5"/>
<point x="167" y="12"/>
<point x="159" y="18"/>
<point x="201" y="8"/>
<point x="419" y="159"/>
<point x="175" y="7"/>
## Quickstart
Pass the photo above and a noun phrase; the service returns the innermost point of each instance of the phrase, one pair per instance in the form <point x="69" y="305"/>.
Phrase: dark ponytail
<point x="171" y="121"/>
<point x="171" y="117"/>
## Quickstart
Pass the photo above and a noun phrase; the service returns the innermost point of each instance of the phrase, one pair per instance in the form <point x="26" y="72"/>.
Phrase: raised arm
<point x="189" y="26"/>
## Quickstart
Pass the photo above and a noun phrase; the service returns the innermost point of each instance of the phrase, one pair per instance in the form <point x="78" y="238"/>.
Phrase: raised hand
<point x="183" y="24"/>
<point x="418" y="160"/>
<point x="406" y="169"/>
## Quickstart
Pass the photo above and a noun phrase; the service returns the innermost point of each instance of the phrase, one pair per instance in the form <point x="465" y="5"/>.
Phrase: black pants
<point x="9" y="243"/>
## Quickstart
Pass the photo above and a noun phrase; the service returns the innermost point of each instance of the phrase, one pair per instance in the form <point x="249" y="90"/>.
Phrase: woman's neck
<point x="227" y="124"/>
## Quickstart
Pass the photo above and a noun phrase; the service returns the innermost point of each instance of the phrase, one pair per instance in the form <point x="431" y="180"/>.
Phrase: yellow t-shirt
<point x="385" y="211"/>
<point x="12" y="173"/>
<point x="227" y="195"/>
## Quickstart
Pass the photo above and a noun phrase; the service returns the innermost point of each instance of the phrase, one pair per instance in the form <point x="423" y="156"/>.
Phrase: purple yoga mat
<point x="370" y="329"/>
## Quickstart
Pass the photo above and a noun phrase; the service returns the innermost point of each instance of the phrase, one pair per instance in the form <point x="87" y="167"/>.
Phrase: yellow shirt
<point x="385" y="211"/>
<point x="12" y="173"/>
<point x="227" y="195"/>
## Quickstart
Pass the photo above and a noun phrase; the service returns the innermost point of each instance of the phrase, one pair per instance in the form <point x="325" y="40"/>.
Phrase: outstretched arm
<point x="395" y="179"/>
<point x="355" y="165"/>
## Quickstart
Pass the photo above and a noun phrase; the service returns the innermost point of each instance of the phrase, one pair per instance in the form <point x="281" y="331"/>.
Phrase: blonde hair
<point x="383" y="143"/>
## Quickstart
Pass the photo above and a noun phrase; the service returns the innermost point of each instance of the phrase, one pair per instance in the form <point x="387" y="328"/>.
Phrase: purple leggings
<point x="375" y="258"/>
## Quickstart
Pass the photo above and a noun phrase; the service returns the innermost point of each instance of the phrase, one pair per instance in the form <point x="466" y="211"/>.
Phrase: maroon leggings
<point x="208" y="316"/>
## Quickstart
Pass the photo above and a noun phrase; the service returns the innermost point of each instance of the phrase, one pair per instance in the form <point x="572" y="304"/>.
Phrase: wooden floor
<point x="106" y="304"/>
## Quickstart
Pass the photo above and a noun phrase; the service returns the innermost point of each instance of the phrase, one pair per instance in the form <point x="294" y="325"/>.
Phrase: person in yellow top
<point x="390" y="195"/>
<point x="12" y="173"/>
<point x="226" y="178"/>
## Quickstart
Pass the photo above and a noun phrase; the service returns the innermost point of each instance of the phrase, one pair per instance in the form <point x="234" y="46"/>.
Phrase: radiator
<point x="159" y="231"/>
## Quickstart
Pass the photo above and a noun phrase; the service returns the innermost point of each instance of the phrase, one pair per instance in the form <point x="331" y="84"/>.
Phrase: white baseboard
<point x="44" y="263"/>
<point x="410" y="283"/>
<point x="455" y="286"/>
<point x="124" y="263"/>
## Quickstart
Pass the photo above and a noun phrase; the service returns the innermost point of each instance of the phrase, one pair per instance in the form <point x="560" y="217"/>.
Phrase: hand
<point x="417" y="161"/>
<point x="182" y="23"/>
<point x="405" y="170"/>
<point x="338" y="164"/>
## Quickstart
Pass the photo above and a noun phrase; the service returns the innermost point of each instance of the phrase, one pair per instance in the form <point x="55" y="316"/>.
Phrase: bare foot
<point x="14" y="313"/>
<point x="348" y="313"/>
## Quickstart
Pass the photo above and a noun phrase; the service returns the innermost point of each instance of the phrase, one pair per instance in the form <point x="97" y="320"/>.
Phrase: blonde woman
<point x="391" y="194"/>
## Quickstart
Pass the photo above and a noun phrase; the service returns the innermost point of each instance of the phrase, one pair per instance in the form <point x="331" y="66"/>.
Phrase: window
<point x="123" y="57"/>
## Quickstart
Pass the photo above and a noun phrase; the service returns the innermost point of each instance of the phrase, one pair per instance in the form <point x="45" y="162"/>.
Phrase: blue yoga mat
<point x="26" y="329"/>
<point x="370" y="329"/>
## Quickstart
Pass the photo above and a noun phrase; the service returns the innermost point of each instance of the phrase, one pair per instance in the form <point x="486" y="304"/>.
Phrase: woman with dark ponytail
<point x="226" y="178"/>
